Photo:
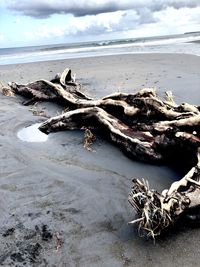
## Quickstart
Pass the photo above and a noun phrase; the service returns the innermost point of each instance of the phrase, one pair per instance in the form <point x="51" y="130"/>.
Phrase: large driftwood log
<point x="144" y="126"/>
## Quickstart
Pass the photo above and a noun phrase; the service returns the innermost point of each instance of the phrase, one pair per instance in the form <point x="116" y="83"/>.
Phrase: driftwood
<point x="146" y="128"/>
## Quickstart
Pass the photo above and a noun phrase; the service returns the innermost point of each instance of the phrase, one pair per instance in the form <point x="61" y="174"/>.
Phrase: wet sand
<point x="56" y="190"/>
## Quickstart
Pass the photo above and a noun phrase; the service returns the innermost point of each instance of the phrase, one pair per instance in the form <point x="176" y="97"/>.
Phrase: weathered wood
<point x="137" y="143"/>
<point x="144" y="126"/>
<point x="158" y="211"/>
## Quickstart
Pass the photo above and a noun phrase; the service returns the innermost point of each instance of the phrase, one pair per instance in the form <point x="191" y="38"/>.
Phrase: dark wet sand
<point x="59" y="187"/>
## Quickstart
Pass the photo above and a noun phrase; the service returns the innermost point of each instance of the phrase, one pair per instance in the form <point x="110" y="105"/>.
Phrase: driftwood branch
<point x="144" y="126"/>
<point x="158" y="211"/>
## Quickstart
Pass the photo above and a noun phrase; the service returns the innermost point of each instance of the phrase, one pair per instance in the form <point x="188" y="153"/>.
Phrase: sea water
<point x="183" y="43"/>
<point x="32" y="134"/>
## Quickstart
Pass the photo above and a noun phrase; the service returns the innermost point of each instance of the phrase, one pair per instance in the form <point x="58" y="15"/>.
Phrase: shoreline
<point x="59" y="187"/>
<point x="129" y="72"/>
<point x="178" y="44"/>
<point x="107" y="55"/>
<point x="96" y="55"/>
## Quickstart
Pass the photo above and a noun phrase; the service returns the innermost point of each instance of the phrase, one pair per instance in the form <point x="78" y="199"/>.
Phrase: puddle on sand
<point x="32" y="134"/>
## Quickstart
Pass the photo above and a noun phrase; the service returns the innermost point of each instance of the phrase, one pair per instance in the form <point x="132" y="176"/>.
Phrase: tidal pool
<point x="32" y="134"/>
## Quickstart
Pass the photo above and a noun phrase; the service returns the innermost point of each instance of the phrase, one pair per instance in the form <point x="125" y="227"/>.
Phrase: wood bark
<point x="146" y="127"/>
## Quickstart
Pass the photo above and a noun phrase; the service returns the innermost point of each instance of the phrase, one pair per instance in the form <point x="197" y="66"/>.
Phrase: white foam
<point x="174" y="44"/>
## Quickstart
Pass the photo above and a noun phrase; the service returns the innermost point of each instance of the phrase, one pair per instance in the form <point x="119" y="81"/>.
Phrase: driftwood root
<point x="146" y="127"/>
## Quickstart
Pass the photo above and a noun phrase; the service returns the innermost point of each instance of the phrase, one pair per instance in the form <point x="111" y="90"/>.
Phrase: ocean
<point x="188" y="43"/>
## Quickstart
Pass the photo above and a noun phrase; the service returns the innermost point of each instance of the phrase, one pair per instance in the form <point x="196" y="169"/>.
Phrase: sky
<point x="38" y="22"/>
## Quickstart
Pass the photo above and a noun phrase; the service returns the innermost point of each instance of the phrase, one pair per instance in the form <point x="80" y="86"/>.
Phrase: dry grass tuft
<point x="89" y="139"/>
<point x="153" y="218"/>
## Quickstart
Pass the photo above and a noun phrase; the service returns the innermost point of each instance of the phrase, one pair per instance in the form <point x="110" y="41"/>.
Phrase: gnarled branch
<point x="146" y="127"/>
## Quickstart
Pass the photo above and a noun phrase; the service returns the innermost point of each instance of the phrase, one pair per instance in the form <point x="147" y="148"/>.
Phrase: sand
<point x="64" y="206"/>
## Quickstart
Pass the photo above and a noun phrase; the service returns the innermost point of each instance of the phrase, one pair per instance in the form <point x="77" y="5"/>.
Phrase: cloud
<point x="46" y="8"/>
<point x="90" y="25"/>
<point x="93" y="25"/>
<point x="171" y="21"/>
<point x="178" y="18"/>
<point x="103" y="19"/>
<point x="125" y="24"/>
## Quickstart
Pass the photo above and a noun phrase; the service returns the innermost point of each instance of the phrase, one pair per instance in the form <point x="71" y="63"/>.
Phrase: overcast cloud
<point x="126" y="23"/>
<point x="83" y="20"/>
<point x="46" y="8"/>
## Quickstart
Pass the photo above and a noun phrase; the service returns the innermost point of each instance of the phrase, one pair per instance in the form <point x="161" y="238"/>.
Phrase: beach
<point x="62" y="205"/>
